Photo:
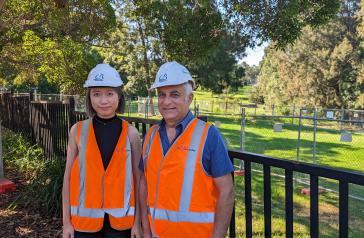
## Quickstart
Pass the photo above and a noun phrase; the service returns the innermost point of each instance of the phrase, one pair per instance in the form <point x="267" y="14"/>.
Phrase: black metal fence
<point x="344" y="178"/>
<point x="48" y="125"/>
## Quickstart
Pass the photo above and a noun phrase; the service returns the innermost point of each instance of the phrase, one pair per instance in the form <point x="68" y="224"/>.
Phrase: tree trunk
<point x="146" y="67"/>
<point x="1" y="4"/>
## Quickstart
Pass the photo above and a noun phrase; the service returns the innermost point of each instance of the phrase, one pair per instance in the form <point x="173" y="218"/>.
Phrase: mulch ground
<point x="24" y="222"/>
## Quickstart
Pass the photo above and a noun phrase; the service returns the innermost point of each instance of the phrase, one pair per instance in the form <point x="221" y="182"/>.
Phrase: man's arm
<point x="143" y="207"/>
<point x="224" y="206"/>
<point x="135" y="154"/>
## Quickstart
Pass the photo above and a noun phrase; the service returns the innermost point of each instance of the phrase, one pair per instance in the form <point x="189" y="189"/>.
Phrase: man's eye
<point x="96" y="94"/>
<point x="175" y="95"/>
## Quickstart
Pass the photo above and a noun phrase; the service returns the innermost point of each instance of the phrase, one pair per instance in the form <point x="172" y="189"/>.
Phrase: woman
<point x="101" y="178"/>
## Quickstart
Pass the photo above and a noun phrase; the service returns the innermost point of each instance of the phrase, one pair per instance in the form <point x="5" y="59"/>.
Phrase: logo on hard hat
<point x="99" y="77"/>
<point x="163" y="78"/>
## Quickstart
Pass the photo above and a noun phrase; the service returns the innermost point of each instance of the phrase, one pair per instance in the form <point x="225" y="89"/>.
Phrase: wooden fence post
<point x="71" y="112"/>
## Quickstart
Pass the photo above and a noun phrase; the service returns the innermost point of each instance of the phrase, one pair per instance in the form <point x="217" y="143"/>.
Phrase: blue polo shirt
<point x="215" y="158"/>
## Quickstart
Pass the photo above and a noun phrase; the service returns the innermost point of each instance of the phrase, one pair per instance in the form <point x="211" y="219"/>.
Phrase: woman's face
<point x="104" y="101"/>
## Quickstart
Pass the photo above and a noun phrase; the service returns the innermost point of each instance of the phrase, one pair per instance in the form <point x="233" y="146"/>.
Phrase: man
<point x="187" y="180"/>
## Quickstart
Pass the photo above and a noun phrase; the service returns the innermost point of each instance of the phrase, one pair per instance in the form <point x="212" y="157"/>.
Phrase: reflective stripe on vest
<point x="99" y="213"/>
<point x="154" y="129"/>
<point x="81" y="210"/>
<point x="183" y="214"/>
<point x="196" y="217"/>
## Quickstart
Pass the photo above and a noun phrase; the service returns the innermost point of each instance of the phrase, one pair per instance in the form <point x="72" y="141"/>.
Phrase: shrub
<point x="44" y="177"/>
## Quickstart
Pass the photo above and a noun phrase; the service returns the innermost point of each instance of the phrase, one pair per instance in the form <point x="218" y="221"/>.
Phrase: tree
<point x="250" y="74"/>
<point x="40" y="41"/>
<point x="321" y="69"/>
<point x="277" y="21"/>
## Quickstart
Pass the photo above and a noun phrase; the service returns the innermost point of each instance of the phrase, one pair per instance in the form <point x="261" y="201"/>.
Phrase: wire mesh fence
<point x="320" y="136"/>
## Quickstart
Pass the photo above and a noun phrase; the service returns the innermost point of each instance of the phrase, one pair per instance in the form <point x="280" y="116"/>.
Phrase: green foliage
<point x="64" y="64"/>
<point x="250" y="74"/>
<point x="44" y="177"/>
<point x="40" y="41"/>
<point x="323" y="68"/>
<point x="280" y="21"/>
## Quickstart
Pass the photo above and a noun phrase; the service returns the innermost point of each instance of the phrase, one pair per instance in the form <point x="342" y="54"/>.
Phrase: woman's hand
<point x="68" y="231"/>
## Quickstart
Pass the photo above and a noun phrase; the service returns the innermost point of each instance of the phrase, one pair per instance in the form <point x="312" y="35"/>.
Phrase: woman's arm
<point x="71" y="155"/>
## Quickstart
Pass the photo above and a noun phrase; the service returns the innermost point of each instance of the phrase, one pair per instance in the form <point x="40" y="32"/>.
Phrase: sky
<point x="255" y="55"/>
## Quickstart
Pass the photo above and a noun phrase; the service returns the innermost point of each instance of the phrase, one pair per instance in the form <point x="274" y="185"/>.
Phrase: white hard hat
<point x="172" y="73"/>
<point x="103" y="75"/>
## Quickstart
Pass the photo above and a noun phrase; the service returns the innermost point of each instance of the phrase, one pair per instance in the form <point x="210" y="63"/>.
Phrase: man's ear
<point x="190" y="98"/>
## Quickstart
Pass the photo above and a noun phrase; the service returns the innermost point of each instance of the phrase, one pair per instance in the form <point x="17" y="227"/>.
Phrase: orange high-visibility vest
<point x="181" y="195"/>
<point x="95" y="191"/>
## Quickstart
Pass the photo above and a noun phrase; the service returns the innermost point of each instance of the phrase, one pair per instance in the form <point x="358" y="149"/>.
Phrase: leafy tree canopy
<point x="324" y="67"/>
<point x="137" y="36"/>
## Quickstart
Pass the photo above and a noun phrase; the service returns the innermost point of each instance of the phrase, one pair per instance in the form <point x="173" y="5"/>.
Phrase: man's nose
<point x="167" y="99"/>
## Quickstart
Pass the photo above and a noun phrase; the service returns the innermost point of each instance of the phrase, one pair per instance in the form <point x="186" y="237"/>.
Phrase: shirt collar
<point x="188" y="118"/>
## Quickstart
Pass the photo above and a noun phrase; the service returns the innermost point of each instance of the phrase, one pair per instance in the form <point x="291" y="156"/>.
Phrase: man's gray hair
<point x="188" y="88"/>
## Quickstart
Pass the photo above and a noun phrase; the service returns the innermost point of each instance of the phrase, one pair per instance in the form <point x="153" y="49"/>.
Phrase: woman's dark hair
<point x="91" y="112"/>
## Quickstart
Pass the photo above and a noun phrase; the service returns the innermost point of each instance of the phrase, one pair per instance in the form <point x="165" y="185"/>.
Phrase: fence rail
<point x="48" y="125"/>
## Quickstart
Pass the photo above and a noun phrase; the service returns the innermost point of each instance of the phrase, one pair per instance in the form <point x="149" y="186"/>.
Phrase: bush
<point x="43" y="177"/>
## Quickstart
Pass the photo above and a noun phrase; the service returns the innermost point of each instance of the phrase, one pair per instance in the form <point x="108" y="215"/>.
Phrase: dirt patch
<point x="18" y="221"/>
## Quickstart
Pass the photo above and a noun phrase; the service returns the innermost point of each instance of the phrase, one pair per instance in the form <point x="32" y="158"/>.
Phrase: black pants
<point x="106" y="232"/>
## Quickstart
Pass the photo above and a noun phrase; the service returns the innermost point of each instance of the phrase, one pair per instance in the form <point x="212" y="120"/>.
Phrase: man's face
<point x="173" y="103"/>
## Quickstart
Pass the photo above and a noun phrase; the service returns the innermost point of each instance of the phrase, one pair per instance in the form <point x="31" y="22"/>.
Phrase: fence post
<point x="31" y="98"/>
<point x="146" y="111"/>
<point x="1" y="156"/>
<point x="129" y="103"/>
<point x="242" y="129"/>
<point x="242" y="135"/>
<point x="341" y="118"/>
<point x="71" y="112"/>
<point x="12" y="109"/>
<point x="273" y="110"/>
<point x="314" y="135"/>
<point x="212" y="106"/>
<point x="299" y="135"/>
<point x="226" y="105"/>
<point x="293" y="111"/>
<point x="194" y="108"/>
